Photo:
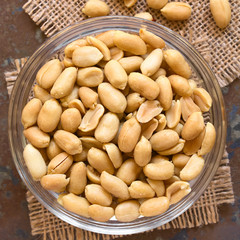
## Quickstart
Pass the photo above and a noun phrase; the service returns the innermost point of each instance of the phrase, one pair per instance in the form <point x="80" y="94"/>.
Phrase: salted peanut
<point x="131" y="64"/>
<point x="116" y="74"/>
<point x="130" y="43"/>
<point x="173" y="150"/>
<point x="208" y="140"/>
<point x="107" y="127"/>
<point x="154" y="206"/>
<point x="68" y="62"/>
<point x="41" y="93"/>
<point x="53" y="149"/>
<point x="96" y="8"/>
<point x="188" y="107"/>
<point x="93" y="175"/>
<point x="142" y="152"/>
<point x="148" y="110"/>
<point x="64" y="84"/>
<point x="180" y="160"/>
<point x="192" y="146"/>
<point x="107" y="38"/>
<point x="173" y="114"/>
<point x="202" y="99"/>
<point x="116" y="53"/>
<point x="152" y="62"/>
<point x="139" y="189"/>
<point x="161" y="122"/>
<point x="99" y="160"/>
<point x="159" y="158"/>
<point x="193" y="126"/>
<point x="76" y="103"/>
<point x="149" y="127"/>
<point x="86" y="56"/>
<point x="100" y="213"/>
<point x="89" y="76"/>
<point x="81" y="157"/>
<point x="72" y="96"/>
<point x="114" y="154"/>
<point x="68" y="51"/>
<point x="158" y="186"/>
<point x="30" y="112"/>
<point x="152" y="39"/>
<point x="70" y="120"/>
<point x="67" y="141"/>
<point x="177" y="63"/>
<point x="76" y="204"/>
<point x="177" y="190"/>
<point x="60" y="163"/>
<point x="91" y="118"/>
<point x="114" y="185"/>
<point x="180" y="85"/>
<point x="36" y="137"/>
<point x="48" y="73"/>
<point x="176" y="11"/>
<point x="112" y="98"/>
<point x="34" y="162"/>
<point x="96" y="194"/>
<point x="49" y="115"/>
<point x="129" y="135"/>
<point x="158" y="73"/>
<point x="144" y="15"/>
<point x="54" y="182"/>
<point x="88" y="96"/>
<point x="143" y="85"/>
<point x="89" y="142"/>
<point x="156" y="4"/>
<point x="164" y="140"/>
<point x="101" y="46"/>
<point x="221" y="12"/>
<point x="134" y="100"/>
<point x="193" y="168"/>
<point x="171" y="180"/>
<point x="127" y="211"/>
<point x="129" y="3"/>
<point x="159" y="171"/>
<point x="128" y="171"/>
<point x="165" y="94"/>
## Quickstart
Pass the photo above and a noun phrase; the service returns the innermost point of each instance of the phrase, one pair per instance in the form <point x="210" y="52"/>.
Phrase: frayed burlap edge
<point x="203" y="212"/>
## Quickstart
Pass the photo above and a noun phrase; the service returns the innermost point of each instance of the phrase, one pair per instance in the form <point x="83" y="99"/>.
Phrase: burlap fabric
<point x="220" y="47"/>
<point x="203" y="212"/>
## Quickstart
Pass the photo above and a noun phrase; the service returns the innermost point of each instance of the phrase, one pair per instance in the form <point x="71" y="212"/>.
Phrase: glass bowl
<point x="55" y="46"/>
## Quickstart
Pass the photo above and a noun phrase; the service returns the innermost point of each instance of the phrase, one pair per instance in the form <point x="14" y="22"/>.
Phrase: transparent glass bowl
<point x="55" y="46"/>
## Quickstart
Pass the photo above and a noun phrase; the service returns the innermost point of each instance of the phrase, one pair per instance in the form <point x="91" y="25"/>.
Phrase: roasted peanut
<point x="139" y="189"/>
<point x="81" y="157"/>
<point x="143" y="85"/>
<point x="112" y="98"/>
<point x="129" y="135"/>
<point x="159" y="158"/>
<point x="107" y="38"/>
<point x="76" y="204"/>
<point x="48" y="73"/>
<point x="100" y="213"/>
<point x="188" y="107"/>
<point x="154" y="206"/>
<point x="73" y="45"/>
<point x="64" y="84"/>
<point x="149" y="127"/>
<point x="144" y="15"/>
<point x="41" y="93"/>
<point x="158" y="186"/>
<point x="128" y="171"/>
<point x="88" y="96"/>
<point x="131" y="64"/>
<point x="173" y="114"/>
<point x="114" y="185"/>
<point x="96" y="194"/>
<point x="72" y="96"/>
<point x="49" y="115"/>
<point x="76" y="103"/>
<point x="35" y="162"/>
<point x="67" y="141"/>
<point x="96" y="8"/>
<point x="180" y="160"/>
<point x="173" y="150"/>
<point x="202" y="99"/>
<point x="134" y="100"/>
<point x="93" y="175"/>
<point x="89" y="142"/>
<point x="129" y="3"/>
<point x="70" y="120"/>
<point x="100" y="160"/>
<point x="114" y="154"/>
<point x="156" y="4"/>
<point x="53" y="149"/>
<point x="116" y="53"/>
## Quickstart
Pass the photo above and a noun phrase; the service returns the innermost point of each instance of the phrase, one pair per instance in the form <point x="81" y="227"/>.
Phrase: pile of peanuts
<point x="116" y="127"/>
<point x="173" y="11"/>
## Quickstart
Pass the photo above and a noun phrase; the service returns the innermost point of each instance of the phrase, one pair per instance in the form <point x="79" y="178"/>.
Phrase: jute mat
<point x="221" y="48"/>
<point x="203" y="212"/>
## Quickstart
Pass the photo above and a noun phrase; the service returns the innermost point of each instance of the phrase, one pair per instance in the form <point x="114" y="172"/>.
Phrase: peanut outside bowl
<point x="54" y="47"/>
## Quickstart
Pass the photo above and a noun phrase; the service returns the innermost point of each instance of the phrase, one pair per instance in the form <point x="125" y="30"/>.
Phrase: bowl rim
<point x="101" y="227"/>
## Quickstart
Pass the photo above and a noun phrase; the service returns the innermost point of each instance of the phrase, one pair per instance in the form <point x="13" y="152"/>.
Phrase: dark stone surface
<point x="20" y="37"/>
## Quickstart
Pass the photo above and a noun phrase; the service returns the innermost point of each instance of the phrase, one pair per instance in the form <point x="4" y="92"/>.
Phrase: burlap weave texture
<point x="203" y="212"/>
<point x="221" y="48"/>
